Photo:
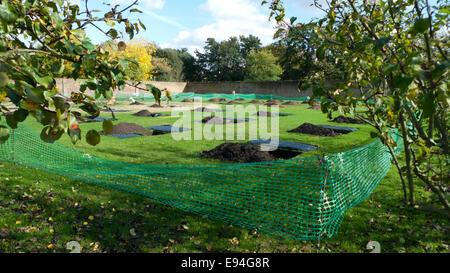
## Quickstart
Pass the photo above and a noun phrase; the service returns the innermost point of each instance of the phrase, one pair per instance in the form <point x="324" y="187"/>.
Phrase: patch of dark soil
<point x="315" y="107"/>
<point x="307" y="102"/>
<point x="136" y="103"/>
<point x="156" y="106"/>
<point x="239" y="99"/>
<point x="143" y="113"/>
<point x="291" y="103"/>
<point x="257" y="101"/>
<point x="344" y="119"/>
<point x="214" y="120"/>
<point x="274" y="101"/>
<point x="187" y="100"/>
<point x="265" y="114"/>
<point x="146" y="113"/>
<point x="125" y="128"/>
<point x="284" y="153"/>
<point x="217" y="100"/>
<point x="238" y="153"/>
<point x="308" y="128"/>
<point x="205" y="109"/>
<point x="270" y="104"/>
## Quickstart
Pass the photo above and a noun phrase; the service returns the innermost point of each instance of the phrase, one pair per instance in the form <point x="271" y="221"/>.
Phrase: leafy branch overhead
<point x="395" y="55"/>
<point x="40" y="40"/>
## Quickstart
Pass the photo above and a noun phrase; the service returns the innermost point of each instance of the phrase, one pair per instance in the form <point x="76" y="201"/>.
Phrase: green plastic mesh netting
<point x="300" y="199"/>
<point x="147" y="96"/>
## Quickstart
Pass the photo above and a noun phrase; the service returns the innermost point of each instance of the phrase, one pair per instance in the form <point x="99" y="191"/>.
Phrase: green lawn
<point x="42" y="212"/>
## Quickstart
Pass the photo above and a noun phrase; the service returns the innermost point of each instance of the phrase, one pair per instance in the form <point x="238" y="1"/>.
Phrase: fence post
<point x="324" y="166"/>
<point x="13" y="147"/>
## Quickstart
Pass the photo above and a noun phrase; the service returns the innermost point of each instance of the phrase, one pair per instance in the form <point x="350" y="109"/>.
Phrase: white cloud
<point x="231" y="18"/>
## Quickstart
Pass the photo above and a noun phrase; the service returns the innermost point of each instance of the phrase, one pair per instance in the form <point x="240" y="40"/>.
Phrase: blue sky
<point x="187" y="23"/>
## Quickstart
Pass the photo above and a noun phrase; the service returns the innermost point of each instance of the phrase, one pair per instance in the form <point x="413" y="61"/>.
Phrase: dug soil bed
<point x="187" y="100"/>
<point x="257" y="101"/>
<point x="125" y="128"/>
<point x="291" y="103"/>
<point x="143" y="113"/>
<point x="343" y="119"/>
<point x="156" y="106"/>
<point x="136" y="103"/>
<point x="274" y="101"/>
<point x="265" y="114"/>
<point x="146" y="113"/>
<point x="315" y="107"/>
<point x="311" y="129"/>
<point x="217" y="100"/>
<point x="205" y="109"/>
<point x="238" y="153"/>
<point x="270" y="104"/>
<point x="214" y="120"/>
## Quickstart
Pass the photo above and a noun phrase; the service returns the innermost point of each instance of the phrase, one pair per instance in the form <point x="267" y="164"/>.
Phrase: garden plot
<point x="168" y="129"/>
<point x="290" y="145"/>
<point x="246" y="153"/>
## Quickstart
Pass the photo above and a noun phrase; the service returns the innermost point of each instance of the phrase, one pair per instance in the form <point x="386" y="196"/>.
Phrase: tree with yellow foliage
<point x="139" y="50"/>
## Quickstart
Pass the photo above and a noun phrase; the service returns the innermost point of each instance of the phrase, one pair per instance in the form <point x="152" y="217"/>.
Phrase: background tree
<point x="397" y="57"/>
<point x="191" y="71"/>
<point x="261" y="65"/>
<point x="225" y="61"/>
<point x="297" y="56"/>
<point x="32" y="32"/>
<point x="180" y="62"/>
<point x="161" y="68"/>
<point x="139" y="50"/>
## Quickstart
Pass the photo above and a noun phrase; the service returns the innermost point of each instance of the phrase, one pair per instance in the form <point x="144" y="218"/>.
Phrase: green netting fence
<point x="301" y="199"/>
<point x="205" y="97"/>
<point x="147" y="96"/>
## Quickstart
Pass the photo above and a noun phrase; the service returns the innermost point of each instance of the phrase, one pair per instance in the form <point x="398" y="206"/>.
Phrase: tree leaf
<point x="402" y="81"/>
<point x="4" y="79"/>
<point x="11" y="121"/>
<point x="421" y="25"/>
<point x="4" y="134"/>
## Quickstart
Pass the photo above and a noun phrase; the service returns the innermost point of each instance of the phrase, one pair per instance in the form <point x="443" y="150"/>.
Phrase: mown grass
<point x="41" y="212"/>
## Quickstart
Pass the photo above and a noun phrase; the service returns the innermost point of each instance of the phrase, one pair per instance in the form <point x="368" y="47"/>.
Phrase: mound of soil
<point x="291" y="103"/>
<point x="315" y="107"/>
<point x="308" y="128"/>
<point x="238" y="153"/>
<point x="136" y="103"/>
<point x="214" y="120"/>
<point x="156" y="106"/>
<point x="265" y="114"/>
<point x="214" y="100"/>
<point x="143" y="113"/>
<point x="344" y="119"/>
<point x="273" y="104"/>
<point x="257" y="101"/>
<point x="187" y="100"/>
<point x="204" y="109"/>
<point x="125" y="128"/>
<point x="239" y="100"/>
<point x="274" y="101"/>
